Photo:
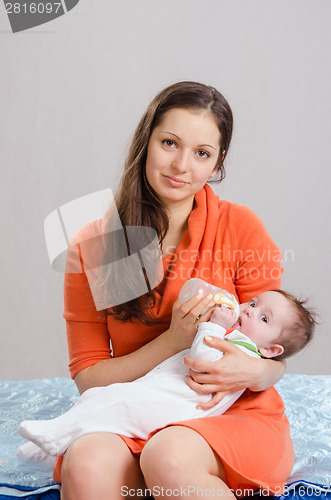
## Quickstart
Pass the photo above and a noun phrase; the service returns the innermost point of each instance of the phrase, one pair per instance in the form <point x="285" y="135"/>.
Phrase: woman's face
<point x="182" y="154"/>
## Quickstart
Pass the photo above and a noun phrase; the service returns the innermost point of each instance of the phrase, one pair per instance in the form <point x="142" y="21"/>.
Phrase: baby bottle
<point x="194" y="286"/>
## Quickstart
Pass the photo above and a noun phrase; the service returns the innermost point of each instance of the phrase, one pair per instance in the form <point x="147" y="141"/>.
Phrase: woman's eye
<point x="264" y="318"/>
<point x="203" y="154"/>
<point x="168" y="142"/>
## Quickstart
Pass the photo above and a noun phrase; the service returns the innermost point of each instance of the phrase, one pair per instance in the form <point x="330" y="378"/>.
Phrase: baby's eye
<point x="168" y="142"/>
<point x="203" y="154"/>
<point x="264" y="318"/>
<point x="252" y="303"/>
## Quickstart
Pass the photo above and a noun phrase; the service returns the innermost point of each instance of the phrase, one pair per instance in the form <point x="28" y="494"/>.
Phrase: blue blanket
<point x="308" y="407"/>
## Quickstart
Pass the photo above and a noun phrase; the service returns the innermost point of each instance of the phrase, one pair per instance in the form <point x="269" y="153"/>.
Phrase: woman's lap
<point x="174" y="458"/>
<point x="174" y="443"/>
<point x="238" y="439"/>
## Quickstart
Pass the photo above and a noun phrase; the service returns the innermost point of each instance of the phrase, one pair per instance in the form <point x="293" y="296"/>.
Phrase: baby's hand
<point x="223" y="316"/>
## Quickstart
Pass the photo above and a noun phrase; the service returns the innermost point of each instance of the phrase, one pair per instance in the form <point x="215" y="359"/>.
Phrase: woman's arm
<point x="179" y="336"/>
<point x="270" y="372"/>
<point x="255" y="373"/>
<point x="235" y="371"/>
<point x="125" y="368"/>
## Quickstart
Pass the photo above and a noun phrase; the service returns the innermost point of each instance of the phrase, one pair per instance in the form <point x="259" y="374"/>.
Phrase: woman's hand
<point x="183" y="326"/>
<point x="234" y="372"/>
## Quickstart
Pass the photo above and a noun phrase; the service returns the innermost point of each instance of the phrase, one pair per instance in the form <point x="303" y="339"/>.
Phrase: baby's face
<point x="264" y="317"/>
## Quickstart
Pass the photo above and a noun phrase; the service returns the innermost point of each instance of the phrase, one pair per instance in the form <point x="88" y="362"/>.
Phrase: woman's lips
<point x="174" y="181"/>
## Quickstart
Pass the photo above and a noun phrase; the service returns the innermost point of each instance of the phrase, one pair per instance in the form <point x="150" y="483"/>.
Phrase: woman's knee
<point x="99" y="462"/>
<point x="178" y="454"/>
<point x="161" y="455"/>
<point x="86" y="451"/>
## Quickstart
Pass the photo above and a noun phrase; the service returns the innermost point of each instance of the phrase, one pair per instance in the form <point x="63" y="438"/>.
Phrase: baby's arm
<point x="223" y="316"/>
<point x="221" y="319"/>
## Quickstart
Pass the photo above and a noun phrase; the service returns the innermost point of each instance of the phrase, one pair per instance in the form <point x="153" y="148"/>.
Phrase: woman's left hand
<point x="234" y="372"/>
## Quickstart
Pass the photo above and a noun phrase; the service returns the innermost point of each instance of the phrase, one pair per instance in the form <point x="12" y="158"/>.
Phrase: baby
<point x="273" y="324"/>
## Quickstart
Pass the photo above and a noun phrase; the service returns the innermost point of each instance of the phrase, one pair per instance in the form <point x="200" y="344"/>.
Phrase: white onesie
<point x="135" y="409"/>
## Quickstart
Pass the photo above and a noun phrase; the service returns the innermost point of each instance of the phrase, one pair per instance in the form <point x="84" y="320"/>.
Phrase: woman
<point x="180" y="143"/>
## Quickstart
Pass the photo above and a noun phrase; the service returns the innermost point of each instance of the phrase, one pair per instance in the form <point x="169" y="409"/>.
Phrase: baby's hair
<point x="297" y="335"/>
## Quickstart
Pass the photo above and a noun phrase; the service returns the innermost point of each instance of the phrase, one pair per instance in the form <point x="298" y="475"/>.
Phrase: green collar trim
<point x="247" y="345"/>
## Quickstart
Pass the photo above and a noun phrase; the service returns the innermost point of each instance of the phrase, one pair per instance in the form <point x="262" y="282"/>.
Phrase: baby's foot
<point x="30" y="452"/>
<point x="36" y="431"/>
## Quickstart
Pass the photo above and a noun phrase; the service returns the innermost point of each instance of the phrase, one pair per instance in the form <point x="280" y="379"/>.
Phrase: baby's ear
<point x="272" y="351"/>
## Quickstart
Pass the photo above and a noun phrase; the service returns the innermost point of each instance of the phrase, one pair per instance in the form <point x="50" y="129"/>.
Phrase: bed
<point x="308" y="407"/>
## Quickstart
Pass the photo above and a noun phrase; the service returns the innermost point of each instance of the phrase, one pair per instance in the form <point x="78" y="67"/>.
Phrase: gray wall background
<point x="71" y="94"/>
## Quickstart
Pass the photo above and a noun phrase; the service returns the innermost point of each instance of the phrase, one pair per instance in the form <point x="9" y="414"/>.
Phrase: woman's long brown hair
<point x="136" y="202"/>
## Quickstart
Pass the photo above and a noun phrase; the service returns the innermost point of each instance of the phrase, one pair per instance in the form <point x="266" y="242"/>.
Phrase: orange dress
<point x="225" y="244"/>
